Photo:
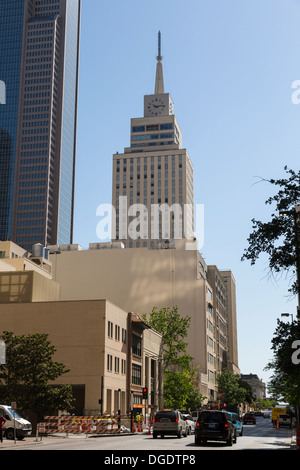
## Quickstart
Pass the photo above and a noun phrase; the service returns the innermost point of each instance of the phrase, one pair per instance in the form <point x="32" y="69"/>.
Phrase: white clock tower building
<point x="153" y="179"/>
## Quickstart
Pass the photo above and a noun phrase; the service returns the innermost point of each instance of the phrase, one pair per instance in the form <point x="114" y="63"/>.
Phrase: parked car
<point x="190" y="423"/>
<point x="195" y="415"/>
<point x="215" y="426"/>
<point x="267" y="414"/>
<point x="249" y="418"/>
<point x="258" y="413"/>
<point x="236" y="420"/>
<point x="169" y="422"/>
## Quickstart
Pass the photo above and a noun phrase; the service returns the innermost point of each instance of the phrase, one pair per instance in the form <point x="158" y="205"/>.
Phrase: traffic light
<point x="145" y="393"/>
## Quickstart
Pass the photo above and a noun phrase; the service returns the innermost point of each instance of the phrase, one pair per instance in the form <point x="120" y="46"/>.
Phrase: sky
<point x="229" y="66"/>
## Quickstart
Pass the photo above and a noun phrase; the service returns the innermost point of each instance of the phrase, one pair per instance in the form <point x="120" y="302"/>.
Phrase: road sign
<point x="42" y="427"/>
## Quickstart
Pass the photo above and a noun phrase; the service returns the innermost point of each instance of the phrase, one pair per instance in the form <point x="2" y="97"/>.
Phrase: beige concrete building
<point x="232" y="329"/>
<point x="140" y="279"/>
<point x="257" y="385"/>
<point x="154" y="173"/>
<point x="111" y="353"/>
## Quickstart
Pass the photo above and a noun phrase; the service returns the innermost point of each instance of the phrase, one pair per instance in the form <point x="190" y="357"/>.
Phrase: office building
<point x="139" y="279"/>
<point x="152" y="187"/>
<point x="39" y="42"/>
<point x="258" y="387"/>
<point x="107" y="348"/>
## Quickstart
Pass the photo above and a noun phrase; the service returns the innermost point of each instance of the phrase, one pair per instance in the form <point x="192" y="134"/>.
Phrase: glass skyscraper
<point x="39" y="41"/>
<point x="11" y="41"/>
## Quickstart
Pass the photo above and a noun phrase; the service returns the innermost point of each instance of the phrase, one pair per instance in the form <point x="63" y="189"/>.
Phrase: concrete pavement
<point x="37" y="441"/>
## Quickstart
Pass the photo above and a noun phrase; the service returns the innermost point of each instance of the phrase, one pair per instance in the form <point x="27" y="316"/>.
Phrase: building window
<point x="123" y="366"/>
<point x="117" y="333"/>
<point x="136" y="345"/>
<point x="109" y="362"/>
<point x="136" y="374"/>
<point x="110" y="329"/>
<point x="123" y="335"/>
<point x="117" y="365"/>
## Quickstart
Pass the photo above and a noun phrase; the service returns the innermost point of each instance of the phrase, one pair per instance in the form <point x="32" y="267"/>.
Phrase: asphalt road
<point x="261" y="436"/>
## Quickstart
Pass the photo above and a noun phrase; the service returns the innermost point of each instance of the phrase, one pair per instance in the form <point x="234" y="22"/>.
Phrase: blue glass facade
<point x="68" y="144"/>
<point x="39" y="54"/>
<point x="11" y="41"/>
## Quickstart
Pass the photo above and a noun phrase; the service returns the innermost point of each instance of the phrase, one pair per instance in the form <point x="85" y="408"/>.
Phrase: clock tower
<point x="154" y="171"/>
<point x="159" y="104"/>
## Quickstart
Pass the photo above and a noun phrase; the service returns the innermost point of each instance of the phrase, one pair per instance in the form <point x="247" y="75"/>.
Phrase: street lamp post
<point x="288" y="315"/>
<point x="296" y="214"/>
<point x="297" y="228"/>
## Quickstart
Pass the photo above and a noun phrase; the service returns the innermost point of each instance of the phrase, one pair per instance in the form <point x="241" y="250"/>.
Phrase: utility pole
<point x="297" y="244"/>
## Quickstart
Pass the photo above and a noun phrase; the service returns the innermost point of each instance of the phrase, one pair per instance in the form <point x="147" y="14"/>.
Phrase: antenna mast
<point x="159" y="46"/>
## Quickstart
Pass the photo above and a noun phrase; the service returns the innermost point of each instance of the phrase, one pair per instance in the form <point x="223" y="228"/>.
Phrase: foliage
<point x="262" y="403"/>
<point x="285" y="382"/>
<point x="180" y="378"/>
<point x="276" y="238"/>
<point x="230" y="387"/>
<point x="177" y="386"/>
<point x="28" y="370"/>
<point x="180" y="392"/>
<point x="247" y="391"/>
<point x="173" y="328"/>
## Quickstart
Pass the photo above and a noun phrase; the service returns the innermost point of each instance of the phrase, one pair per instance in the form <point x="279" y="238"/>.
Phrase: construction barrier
<point x="106" y="424"/>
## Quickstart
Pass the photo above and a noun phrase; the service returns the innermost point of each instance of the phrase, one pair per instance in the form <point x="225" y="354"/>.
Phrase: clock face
<point x="156" y="106"/>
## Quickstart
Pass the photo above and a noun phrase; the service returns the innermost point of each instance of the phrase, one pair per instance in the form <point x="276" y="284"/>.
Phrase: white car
<point x="190" y="423"/>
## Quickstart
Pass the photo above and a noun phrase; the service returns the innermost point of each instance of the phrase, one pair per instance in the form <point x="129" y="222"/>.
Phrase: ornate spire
<point x="159" y="81"/>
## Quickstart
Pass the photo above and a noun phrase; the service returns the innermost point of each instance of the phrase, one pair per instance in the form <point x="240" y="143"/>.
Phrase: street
<point x="261" y="436"/>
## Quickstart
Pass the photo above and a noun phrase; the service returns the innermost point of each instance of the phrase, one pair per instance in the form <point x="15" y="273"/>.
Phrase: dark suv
<point x="249" y="418"/>
<point x="215" y="426"/>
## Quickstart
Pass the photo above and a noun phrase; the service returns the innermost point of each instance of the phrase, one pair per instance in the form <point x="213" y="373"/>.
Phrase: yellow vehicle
<point x="276" y="411"/>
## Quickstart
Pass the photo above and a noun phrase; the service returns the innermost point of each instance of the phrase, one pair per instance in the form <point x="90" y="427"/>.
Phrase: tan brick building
<point x="140" y="279"/>
<point x="93" y="338"/>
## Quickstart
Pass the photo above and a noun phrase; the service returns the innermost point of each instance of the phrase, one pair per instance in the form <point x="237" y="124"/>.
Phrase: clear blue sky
<point x="229" y="67"/>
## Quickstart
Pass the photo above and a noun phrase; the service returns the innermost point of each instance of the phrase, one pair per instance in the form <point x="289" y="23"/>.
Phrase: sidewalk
<point x="32" y="440"/>
<point x="293" y="441"/>
<point x="17" y="444"/>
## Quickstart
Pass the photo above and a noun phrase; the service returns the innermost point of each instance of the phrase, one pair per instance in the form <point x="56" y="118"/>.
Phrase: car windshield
<point x="14" y="413"/>
<point x="165" y="414"/>
<point x="212" y="417"/>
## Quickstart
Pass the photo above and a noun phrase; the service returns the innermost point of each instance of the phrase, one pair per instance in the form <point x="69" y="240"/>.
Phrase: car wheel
<point x="234" y="439"/>
<point x="10" y="434"/>
<point x="241" y="433"/>
<point x="197" y="441"/>
<point x="179" y="435"/>
<point x="154" y="435"/>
